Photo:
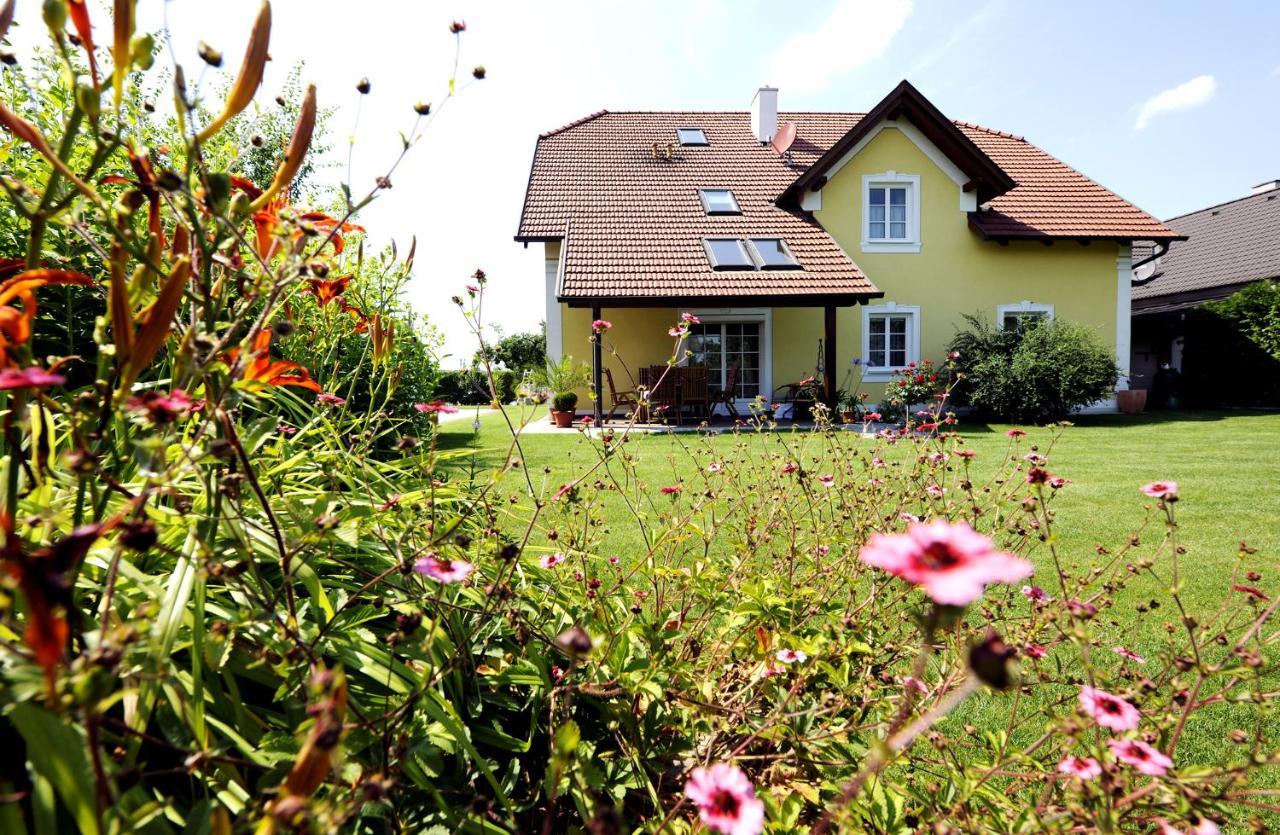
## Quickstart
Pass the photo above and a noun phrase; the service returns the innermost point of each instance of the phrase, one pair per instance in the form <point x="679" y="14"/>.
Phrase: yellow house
<point x="809" y="243"/>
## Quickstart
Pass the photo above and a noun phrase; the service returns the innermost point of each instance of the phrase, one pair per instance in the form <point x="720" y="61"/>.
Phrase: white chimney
<point x="764" y="114"/>
<point x="1269" y="185"/>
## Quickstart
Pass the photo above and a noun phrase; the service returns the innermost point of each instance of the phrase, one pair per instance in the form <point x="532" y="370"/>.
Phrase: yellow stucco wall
<point x="638" y="338"/>
<point x="954" y="273"/>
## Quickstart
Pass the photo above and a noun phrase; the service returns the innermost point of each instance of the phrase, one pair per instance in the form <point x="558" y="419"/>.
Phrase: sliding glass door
<point x="722" y="346"/>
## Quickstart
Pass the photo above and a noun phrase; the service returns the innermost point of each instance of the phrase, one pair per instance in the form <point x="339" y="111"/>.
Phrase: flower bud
<point x="479" y="72"/>
<point x="422" y="108"/>
<point x="458" y="27"/>
<point x="991" y="661"/>
<point x="55" y="15"/>
<point x="142" y="51"/>
<point x="209" y="55"/>
<point x="363" y="86"/>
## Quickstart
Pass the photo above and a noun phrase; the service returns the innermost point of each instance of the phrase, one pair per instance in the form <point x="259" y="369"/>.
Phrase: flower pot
<point x="563" y="420"/>
<point x="1131" y="401"/>
<point x="849" y="416"/>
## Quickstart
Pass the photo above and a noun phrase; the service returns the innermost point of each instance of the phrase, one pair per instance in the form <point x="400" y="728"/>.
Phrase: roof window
<point x="691" y="136"/>
<point x="755" y="254"/>
<point x="719" y="201"/>
<point x="772" y="253"/>
<point x="728" y="254"/>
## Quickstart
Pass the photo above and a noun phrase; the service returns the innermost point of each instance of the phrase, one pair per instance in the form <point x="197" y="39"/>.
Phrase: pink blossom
<point x="690" y="319"/>
<point x="34" y="377"/>
<point x="671" y="490"/>
<point x="564" y="489"/>
<point x="822" y="550"/>
<point x="443" y="570"/>
<point x="877" y="462"/>
<point x="938" y="457"/>
<point x="827" y="480"/>
<point x="951" y="562"/>
<point x="330" y="399"/>
<point x="954" y="355"/>
<point x="601" y="325"/>
<point x="792" y="656"/>
<point x="934" y="490"/>
<point x="678" y="330"/>
<point x="713" y="468"/>
<point x="790" y="467"/>
<point x="1108" y="710"/>
<point x="726" y="800"/>
<point x="1036" y="651"/>
<point x="1036" y="594"/>
<point x="1128" y="653"/>
<point x="1140" y="755"/>
<point x="162" y="408"/>
<point x="286" y="429"/>
<point x="587" y="420"/>
<point x="1083" y="768"/>
<point x="1057" y="482"/>
<point x="874" y="416"/>
<point x="1016" y="433"/>
<point x="472" y="289"/>
<point x="966" y="453"/>
<point x="551" y="560"/>
<point x="913" y="683"/>
<point x="435" y="407"/>
<point x="557" y="673"/>
<point x="1161" y="489"/>
<point x="614" y="560"/>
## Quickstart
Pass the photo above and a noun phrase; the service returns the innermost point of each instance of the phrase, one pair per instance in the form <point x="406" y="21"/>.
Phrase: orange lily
<point x="265" y="221"/>
<point x="79" y="12"/>
<point x="146" y="183"/>
<point x="329" y="225"/>
<point x="263" y="371"/>
<point x="15" y="325"/>
<point x="327" y="291"/>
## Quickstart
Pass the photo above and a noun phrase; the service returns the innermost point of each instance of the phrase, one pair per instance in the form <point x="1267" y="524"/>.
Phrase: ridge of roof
<point x="574" y="123"/>
<point x="961" y="123"/>
<point x="1270" y="195"/>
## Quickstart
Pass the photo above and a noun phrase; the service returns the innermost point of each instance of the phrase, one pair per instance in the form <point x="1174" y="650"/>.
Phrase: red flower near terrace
<point x="262" y="371"/>
<point x="326" y="291"/>
<point x="601" y="325"/>
<point x="34" y="377"/>
<point x="726" y="800"/>
<point x="1108" y="710"/>
<point x="952" y="563"/>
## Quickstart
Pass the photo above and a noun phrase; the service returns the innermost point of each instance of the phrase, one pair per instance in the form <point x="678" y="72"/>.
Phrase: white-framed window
<point x="728" y="254"/>
<point x="772" y="254"/>
<point x="692" y="136"/>
<point x="719" y="201"/>
<point x="890" y="339"/>
<point x="1020" y="316"/>
<point x="891" y="212"/>
<point x="734" y="338"/>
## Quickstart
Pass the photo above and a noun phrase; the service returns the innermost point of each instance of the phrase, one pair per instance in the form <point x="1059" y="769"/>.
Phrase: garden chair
<point x="693" y="391"/>
<point x="728" y="395"/>
<point x="664" y="394"/>
<point x="620" y="399"/>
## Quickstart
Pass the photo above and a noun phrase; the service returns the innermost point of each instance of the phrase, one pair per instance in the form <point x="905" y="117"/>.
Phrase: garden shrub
<point x="470" y="386"/>
<point x="223" y="612"/>
<point x="1043" y="372"/>
<point x="1231" y="349"/>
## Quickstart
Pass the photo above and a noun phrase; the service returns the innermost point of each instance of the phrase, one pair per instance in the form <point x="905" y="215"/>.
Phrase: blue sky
<point x="1071" y="77"/>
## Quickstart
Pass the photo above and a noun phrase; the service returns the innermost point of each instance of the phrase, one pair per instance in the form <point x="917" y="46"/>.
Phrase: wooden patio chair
<point x="664" y="391"/>
<point x="693" y="391"/>
<point x="619" y="399"/>
<point x="727" y="395"/>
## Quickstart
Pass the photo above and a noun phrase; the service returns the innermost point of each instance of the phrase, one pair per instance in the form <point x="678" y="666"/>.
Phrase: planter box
<point x="1131" y="401"/>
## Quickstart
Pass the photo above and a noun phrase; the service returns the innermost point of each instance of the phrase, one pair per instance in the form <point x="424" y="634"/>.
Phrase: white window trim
<point x="706" y="206"/>
<point x="1022" y="307"/>
<point x="880" y="375"/>
<point x="890" y="179"/>
<point x="760" y="315"/>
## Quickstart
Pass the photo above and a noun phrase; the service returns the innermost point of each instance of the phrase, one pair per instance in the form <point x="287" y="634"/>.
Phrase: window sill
<point x="880" y="375"/>
<point x="887" y="246"/>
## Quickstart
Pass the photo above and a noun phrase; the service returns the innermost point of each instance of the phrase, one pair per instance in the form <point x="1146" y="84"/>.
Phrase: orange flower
<point x="327" y="291"/>
<point x="356" y="314"/>
<point x="329" y="225"/>
<point x="263" y="371"/>
<point x="15" y="325"/>
<point x="265" y="221"/>
<point x="146" y="183"/>
<point x="79" y="12"/>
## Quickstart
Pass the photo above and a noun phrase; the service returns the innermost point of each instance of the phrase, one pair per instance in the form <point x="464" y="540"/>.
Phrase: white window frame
<point x="680" y="140"/>
<point x="706" y="204"/>
<point x="742" y="247"/>
<point x="792" y="264"/>
<point x="892" y="179"/>
<point x="763" y="316"/>
<point x="912" y="312"/>
<point x="1022" y="307"/>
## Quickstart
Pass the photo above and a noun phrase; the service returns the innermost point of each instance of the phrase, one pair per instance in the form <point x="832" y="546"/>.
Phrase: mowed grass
<point x="1227" y="465"/>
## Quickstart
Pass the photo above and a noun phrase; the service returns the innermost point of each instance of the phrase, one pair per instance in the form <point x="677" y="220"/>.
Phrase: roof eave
<point x="719" y="300"/>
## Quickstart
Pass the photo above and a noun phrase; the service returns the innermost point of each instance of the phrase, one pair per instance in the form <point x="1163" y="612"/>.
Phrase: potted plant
<point x="564" y="377"/>
<point x="852" y="405"/>
<point x="918" y="383"/>
<point x="563" y="409"/>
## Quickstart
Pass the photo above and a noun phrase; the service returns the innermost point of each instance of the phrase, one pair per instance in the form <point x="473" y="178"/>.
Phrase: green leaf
<point x="57" y="752"/>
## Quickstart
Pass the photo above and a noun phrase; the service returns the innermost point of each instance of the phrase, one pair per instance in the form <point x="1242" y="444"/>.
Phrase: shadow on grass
<point x="976" y="425"/>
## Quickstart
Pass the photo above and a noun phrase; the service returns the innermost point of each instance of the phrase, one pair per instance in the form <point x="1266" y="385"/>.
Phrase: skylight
<point x="772" y="253"/>
<point x="728" y="254"/>
<point x="719" y="201"/>
<point x="691" y="136"/>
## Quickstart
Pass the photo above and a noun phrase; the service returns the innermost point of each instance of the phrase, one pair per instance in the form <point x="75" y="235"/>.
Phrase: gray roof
<point x="1229" y="244"/>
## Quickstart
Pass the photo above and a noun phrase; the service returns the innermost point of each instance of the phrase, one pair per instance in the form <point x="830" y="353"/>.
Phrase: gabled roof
<point x="637" y="224"/>
<point x="1230" y="244"/>
<point x="905" y="101"/>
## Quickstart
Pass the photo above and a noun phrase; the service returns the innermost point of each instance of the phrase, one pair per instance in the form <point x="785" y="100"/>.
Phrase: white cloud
<point x="1193" y="93"/>
<point x="853" y="35"/>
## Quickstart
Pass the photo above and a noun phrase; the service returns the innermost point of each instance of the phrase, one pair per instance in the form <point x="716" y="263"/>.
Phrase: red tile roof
<point x="635" y="224"/>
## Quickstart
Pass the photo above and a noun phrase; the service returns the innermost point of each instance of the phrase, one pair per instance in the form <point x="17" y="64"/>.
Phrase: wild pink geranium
<point x="601" y="325"/>
<point x="789" y="467"/>
<point x="1016" y="433"/>
<point x="551" y="560"/>
<point x="330" y="399"/>
<point x="1036" y="651"/>
<point x="966" y="453"/>
<point x="1082" y="768"/>
<point x="1161" y="489"/>
<point x="934" y="490"/>
<point x="713" y="468"/>
<point x="1108" y="710"/>
<point x="726" y="800"/>
<point x="690" y="319"/>
<point x="34" y="377"/>
<point x="443" y="570"/>
<point x="678" y="330"/>
<point x="160" y="407"/>
<point x="951" y="562"/>
<point x="1140" y="755"/>
<point x="792" y="656"/>
<point x="1036" y="594"/>
<point x="435" y="407"/>
<point x="1128" y="653"/>
<point x="827" y="480"/>
<point x="671" y="490"/>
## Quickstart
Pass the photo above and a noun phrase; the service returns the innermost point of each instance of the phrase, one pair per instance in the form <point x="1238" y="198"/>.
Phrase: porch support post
<point x="829" y="358"/>
<point x="597" y="366"/>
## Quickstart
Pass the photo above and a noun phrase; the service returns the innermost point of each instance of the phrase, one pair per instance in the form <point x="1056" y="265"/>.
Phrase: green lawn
<point x="1227" y="465"/>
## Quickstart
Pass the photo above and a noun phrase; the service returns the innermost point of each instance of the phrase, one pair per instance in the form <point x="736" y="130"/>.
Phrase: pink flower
<point x="587" y="420"/>
<point x="726" y="800"/>
<point x="671" y="490"/>
<point x="472" y="289"/>
<point x="913" y="683"/>
<point x="954" y="355"/>
<point x="564" y="489"/>
<point x="1034" y="650"/>
<point x="790" y="467"/>
<point x="827" y="480"/>
<point x="713" y="468"/>
<point x="1161" y="489"/>
<point x="952" y="563"/>
<point x="1140" y="755"/>
<point x="330" y="399"/>
<point x="162" y="408"/>
<point x="34" y="377"/>
<point x="614" y="560"/>
<point x="601" y="325"/>
<point x="435" y="407"/>
<point x="551" y="560"/>
<point x="938" y="457"/>
<point x="1036" y="593"/>
<point x="690" y="319"/>
<point x="678" y="330"/>
<point x="1250" y="590"/>
<point x="443" y="570"/>
<point x="1109" y="711"/>
<point x="1128" y="653"/>
<point x="1083" y="768"/>
<point x="877" y="462"/>
<point x="934" y="490"/>
<point x="966" y="453"/>
<point x="1016" y="433"/>
<point x="792" y="656"/>
<point x="286" y="429"/>
<point x="874" y="416"/>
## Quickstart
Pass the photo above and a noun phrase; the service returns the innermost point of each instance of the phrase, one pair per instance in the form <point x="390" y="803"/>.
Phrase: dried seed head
<point x="363" y="86"/>
<point x="422" y="108"/>
<point x="209" y="55"/>
<point x="479" y="72"/>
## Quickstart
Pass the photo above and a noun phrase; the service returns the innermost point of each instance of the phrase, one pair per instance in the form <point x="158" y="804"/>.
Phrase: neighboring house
<point x="869" y="234"/>
<point x="1229" y="246"/>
